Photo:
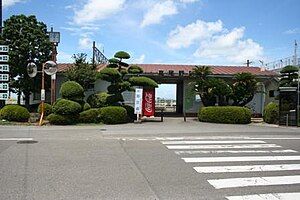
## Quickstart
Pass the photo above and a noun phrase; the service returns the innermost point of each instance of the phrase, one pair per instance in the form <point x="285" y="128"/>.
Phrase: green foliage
<point x="98" y="100"/>
<point x="72" y="90"/>
<point x="135" y="69"/>
<point x="113" y="115"/>
<point x="57" y="119"/>
<point x="113" y="61"/>
<point x="111" y="75"/>
<point x="289" y="76"/>
<point x="66" y="107"/>
<point x="47" y="109"/>
<point x="82" y="72"/>
<point x="90" y="116"/>
<point x="14" y="113"/>
<point x="28" y="40"/>
<point x="225" y="114"/>
<point x="271" y="113"/>
<point x="122" y="55"/>
<point x="143" y="81"/>
<point x="130" y="113"/>
<point x="86" y="106"/>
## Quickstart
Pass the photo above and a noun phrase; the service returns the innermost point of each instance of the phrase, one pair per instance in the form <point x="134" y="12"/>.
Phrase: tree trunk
<point x="19" y="98"/>
<point x="27" y="97"/>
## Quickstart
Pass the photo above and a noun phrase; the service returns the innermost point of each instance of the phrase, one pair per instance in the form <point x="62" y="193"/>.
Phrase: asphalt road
<point x="170" y="160"/>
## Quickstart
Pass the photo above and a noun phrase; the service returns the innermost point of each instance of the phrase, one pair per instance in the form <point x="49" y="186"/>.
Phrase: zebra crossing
<point x="219" y="155"/>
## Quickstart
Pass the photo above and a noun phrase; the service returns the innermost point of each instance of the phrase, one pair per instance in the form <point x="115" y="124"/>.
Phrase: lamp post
<point x="50" y="68"/>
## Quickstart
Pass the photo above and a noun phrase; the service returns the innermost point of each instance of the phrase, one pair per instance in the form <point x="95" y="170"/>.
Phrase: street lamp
<point x="50" y="68"/>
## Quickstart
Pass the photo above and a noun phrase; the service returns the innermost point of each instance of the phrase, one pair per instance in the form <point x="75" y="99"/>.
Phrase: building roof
<point x="217" y="70"/>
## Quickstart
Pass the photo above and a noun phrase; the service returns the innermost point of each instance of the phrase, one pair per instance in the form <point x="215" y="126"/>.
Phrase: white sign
<point x="4" y="96"/>
<point x="4" y="48"/>
<point x="43" y="95"/>
<point x="4" y="86"/>
<point x="138" y="100"/>
<point x="4" y="77"/>
<point x="4" y="68"/>
<point x="4" y="58"/>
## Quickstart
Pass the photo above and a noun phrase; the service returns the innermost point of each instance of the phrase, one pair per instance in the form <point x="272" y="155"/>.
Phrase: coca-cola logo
<point x="148" y="101"/>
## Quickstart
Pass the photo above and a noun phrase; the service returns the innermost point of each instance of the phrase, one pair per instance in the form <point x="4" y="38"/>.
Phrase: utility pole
<point x="298" y="85"/>
<point x="1" y="17"/>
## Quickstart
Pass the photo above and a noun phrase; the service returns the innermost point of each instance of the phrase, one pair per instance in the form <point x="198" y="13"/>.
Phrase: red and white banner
<point x="148" y="102"/>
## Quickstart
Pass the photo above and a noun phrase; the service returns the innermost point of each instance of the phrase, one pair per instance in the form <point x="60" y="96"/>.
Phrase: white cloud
<point x="85" y="43"/>
<point x="292" y="31"/>
<point x="139" y="60"/>
<point x="95" y="10"/>
<point x="215" y="42"/>
<point x="158" y="11"/>
<point x="188" y="35"/>
<point x="7" y="3"/>
<point x="188" y="1"/>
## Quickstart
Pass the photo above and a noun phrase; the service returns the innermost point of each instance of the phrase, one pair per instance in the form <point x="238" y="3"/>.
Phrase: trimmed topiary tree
<point x="86" y="106"/>
<point x="56" y="119"/>
<point x="98" y="100"/>
<point x="271" y="113"/>
<point x="142" y="81"/>
<point x="67" y="107"/>
<point x="72" y="90"/>
<point x="225" y="115"/>
<point x="113" y="115"/>
<point x="90" y="116"/>
<point x="14" y="113"/>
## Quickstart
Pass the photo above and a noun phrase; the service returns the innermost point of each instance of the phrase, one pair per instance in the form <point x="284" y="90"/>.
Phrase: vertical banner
<point x="148" y="102"/>
<point x="138" y="101"/>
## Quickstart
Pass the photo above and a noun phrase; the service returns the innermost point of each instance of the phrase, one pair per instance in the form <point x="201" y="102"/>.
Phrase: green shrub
<point x="86" y="106"/>
<point x="56" y="119"/>
<point x="130" y="113"/>
<point x="90" y="116"/>
<point x="113" y="115"/>
<point x="225" y="114"/>
<point x="135" y="69"/>
<point x="66" y="107"/>
<point x="143" y="81"/>
<point x="98" y="100"/>
<point x="271" y="113"/>
<point x="72" y="90"/>
<point x="47" y="109"/>
<point x="14" y="113"/>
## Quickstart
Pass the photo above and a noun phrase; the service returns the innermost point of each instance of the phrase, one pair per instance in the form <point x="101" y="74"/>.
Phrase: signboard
<point x="138" y="101"/>
<point x="4" y="68"/>
<point x="4" y="77"/>
<point x="4" y="49"/>
<point x="148" y="102"/>
<point x="3" y="95"/>
<point x="54" y="37"/>
<point x="4" y="58"/>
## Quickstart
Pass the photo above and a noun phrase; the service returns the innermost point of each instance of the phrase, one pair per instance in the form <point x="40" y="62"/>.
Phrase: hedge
<point x="57" y="119"/>
<point x="86" y="106"/>
<point x="271" y="113"/>
<point x="90" y="116"/>
<point x="66" y="107"/>
<point x="72" y="90"/>
<point x="113" y="115"/>
<point x="225" y="114"/>
<point x="14" y="113"/>
<point x="47" y="109"/>
<point x="98" y="100"/>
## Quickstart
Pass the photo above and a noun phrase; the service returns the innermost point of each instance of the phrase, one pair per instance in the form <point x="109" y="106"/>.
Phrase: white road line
<point x="239" y="159"/>
<point x="254" y="181"/>
<point x="247" y="168"/>
<point x="201" y="138"/>
<point x="15" y="139"/>
<point x="227" y="146"/>
<point x="265" y="138"/>
<point x="275" y="196"/>
<point x="235" y="151"/>
<point x="215" y="142"/>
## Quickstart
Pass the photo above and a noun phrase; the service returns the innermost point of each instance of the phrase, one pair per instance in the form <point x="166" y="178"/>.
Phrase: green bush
<point x="135" y="69"/>
<point x="130" y="113"/>
<point x="113" y="115"/>
<point x="66" y="107"/>
<point x="56" y="119"/>
<point x="143" y="81"/>
<point x="72" y="90"/>
<point x="90" y="116"/>
<point x="86" y="106"/>
<point x="98" y="100"/>
<point x="47" y="109"/>
<point x="225" y="114"/>
<point x="271" y="113"/>
<point x="14" y="113"/>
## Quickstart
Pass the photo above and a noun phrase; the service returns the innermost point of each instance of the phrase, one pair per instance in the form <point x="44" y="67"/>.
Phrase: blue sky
<point x="171" y="31"/>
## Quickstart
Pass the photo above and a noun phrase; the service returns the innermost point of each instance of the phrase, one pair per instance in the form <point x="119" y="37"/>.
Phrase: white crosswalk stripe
<point x="211" y="146"/>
